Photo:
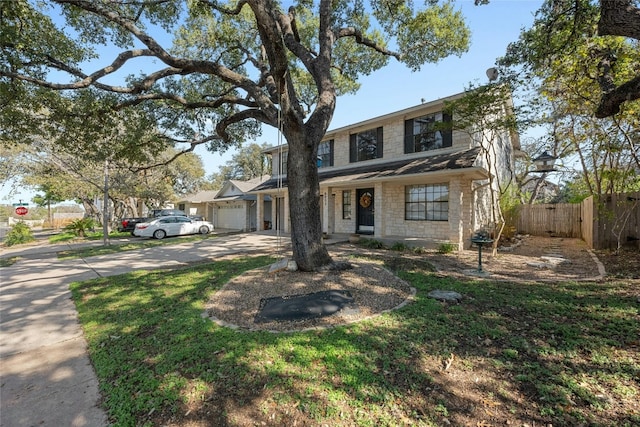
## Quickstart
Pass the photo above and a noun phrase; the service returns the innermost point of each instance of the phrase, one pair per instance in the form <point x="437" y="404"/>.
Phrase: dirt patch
<point x="624" y="264"/>
<point x="532" y="258"/>
<point x="374" y="290"/>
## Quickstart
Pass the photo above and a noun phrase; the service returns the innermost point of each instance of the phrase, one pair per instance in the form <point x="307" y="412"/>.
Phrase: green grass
<point x="139" y="243"/>
<point x="67" y="236"/>
<point x="8" y="261"/>
<point x="561" y="354"/>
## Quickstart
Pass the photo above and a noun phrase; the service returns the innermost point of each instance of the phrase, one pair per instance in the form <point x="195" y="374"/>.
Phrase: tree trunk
<point x="304" y="204"/>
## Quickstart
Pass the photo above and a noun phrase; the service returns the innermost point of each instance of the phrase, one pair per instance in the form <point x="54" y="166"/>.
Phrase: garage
<point x="230" y="215"/>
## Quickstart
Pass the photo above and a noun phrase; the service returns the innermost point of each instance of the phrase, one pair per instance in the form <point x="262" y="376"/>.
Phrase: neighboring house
<point x="397" y="176"/>
<point x="231" y="207"/>
<point x="199" y="203"/>
<point x="546" y="191"/>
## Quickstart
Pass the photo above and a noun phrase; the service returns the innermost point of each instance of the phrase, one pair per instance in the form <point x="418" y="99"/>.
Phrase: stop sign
<point x="21" y="210"/>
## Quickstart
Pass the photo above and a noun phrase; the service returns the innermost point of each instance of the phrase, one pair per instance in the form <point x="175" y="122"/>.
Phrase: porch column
<point x="259" y="212"/>
<point x="331" y="215"/>
<point x="378" y="212"/>
<point x="460" y="198"/>
<point x="327" y="210"/>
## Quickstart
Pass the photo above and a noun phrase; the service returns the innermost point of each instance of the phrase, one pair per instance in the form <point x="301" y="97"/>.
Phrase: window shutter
<point x="353" y="149"/>
<point x="408" y="137"/>
<point x="447" y="134"/>
<point x="331" y="152"/>
<point x="379" y="145"/>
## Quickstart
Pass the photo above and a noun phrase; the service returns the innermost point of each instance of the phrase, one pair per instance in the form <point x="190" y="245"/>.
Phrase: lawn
<point x="119" y="246"/>
<point x="509" y="354"/>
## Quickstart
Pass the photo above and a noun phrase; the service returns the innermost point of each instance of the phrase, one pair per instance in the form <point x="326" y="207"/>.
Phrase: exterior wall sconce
<point x="545" y="162"/>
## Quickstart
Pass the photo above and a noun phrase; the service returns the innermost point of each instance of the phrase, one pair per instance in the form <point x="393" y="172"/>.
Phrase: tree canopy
<point x="560" y="60"/>
<point x="564" y="28"/>
<point x="214" y="71"/>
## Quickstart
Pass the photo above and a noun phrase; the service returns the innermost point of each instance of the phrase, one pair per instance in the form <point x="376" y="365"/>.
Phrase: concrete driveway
<point x="46" y="375"/>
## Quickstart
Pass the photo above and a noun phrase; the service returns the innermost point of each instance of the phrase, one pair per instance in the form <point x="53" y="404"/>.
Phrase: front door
<point x="365" y="211"/>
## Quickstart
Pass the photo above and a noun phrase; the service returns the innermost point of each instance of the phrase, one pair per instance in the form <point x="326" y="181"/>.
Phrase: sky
<point x="395" y="87"/>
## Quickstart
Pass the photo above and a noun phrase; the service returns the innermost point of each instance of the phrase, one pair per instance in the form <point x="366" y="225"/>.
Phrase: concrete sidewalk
<point x="47" y="377"/>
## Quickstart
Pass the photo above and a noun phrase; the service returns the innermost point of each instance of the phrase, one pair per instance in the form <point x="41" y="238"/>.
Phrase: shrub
<point x="81" y="226"/>
<point x="446" y="248"/>
<point x="400" y="247"/>
<point x="371" y="244"/>
<point x="19" y="233"/>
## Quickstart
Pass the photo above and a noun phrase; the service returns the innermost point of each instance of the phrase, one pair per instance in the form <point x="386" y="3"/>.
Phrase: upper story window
<point x="279" y="163"/>
<point x="422" y="133"/>
<point x="325" y="154"/>
<point x="365" y="145"/>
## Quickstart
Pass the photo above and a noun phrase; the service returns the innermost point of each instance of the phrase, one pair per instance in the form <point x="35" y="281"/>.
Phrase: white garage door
<point x="230" y="216"/>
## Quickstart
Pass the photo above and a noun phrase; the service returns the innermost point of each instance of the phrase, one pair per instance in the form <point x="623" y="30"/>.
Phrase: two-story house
<point x="399" y="175"/>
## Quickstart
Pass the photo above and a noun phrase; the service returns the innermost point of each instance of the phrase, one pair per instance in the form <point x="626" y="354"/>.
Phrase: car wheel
<point x="204" y="229"/>
<point x="159" y="234"/>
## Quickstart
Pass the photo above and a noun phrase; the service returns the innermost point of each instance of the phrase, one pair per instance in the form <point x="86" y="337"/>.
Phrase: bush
<point x="80" y="226"/>
<point x="446" y="248"/>
<point x="399" y="246"/>
<point x="19" y="233"/>
<point x="371" y="244"/>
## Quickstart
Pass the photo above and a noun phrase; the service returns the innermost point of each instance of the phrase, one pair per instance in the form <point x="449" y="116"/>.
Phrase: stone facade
<point x="372" y="189"/>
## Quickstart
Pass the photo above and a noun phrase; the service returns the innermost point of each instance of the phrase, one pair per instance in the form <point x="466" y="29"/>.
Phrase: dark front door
<point x="365" y="210"/>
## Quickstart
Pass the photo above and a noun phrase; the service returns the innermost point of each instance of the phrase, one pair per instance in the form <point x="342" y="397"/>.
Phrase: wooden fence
<point x="561" y="219"/>
<point x="601" y="224"/>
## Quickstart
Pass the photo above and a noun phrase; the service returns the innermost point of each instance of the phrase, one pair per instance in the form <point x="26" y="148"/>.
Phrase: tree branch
<point x="619" y="18"/>
<point x="360" y="39"/>
<point x="611" y="101"/>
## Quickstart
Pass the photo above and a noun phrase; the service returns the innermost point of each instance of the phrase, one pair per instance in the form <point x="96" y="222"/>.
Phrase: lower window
<point x="426" y="202"/>
<point x="346" y="204"/>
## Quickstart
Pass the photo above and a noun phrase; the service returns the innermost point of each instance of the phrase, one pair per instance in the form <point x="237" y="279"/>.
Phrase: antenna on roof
<point x="492" y="73"/>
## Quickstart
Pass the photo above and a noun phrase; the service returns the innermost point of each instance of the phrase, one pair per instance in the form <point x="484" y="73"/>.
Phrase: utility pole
<point x="105" y="205"/>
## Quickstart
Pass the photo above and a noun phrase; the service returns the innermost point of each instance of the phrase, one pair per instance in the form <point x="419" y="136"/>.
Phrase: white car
<point x="164" y="226"/>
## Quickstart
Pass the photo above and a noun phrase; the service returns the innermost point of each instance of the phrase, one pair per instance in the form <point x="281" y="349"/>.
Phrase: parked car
<point x="155" y="213"/>
<point x="129" y="224"/>
<point x="176" y="225"/>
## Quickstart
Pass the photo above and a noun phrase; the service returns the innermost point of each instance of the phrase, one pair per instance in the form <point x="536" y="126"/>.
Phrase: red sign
<point x="21" y="210"/>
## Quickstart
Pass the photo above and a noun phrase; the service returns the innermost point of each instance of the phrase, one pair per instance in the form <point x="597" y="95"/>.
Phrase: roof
<point x="461" y="161"/>
<point x="199" y="197"/>
<point x="245" y="186"/>
<point x="210" y="195"/>
<point x="233" y="188"/>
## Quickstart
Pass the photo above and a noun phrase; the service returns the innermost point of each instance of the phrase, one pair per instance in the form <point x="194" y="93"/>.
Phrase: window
<point x="365" y="145"/>
<point x="426" y="202"/>
<point x="181" y="206"/>
<point x="346" y="204"/>
<point x="325" y="154"/>
<point x="282" y="163"/>
<point x="423" y="133"/>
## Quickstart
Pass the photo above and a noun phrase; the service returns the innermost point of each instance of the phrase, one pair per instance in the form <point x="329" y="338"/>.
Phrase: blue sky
<point x="395" y="87"/>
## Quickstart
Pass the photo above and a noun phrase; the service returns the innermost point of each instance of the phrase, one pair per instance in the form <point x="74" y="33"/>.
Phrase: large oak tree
<point x="215" y="70"/>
